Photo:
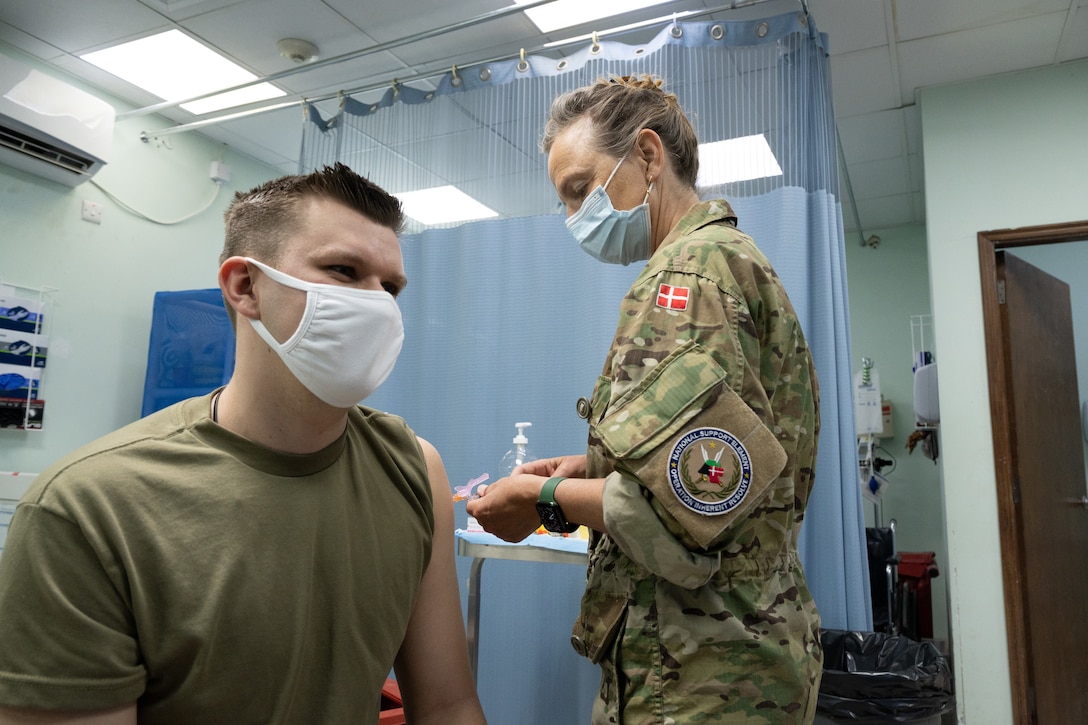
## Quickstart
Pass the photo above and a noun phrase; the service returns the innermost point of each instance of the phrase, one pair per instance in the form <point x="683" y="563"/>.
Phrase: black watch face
<point x="551" y="516"/>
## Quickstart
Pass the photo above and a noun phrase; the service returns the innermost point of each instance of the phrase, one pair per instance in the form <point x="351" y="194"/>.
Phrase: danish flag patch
<point x="672" y="298"/>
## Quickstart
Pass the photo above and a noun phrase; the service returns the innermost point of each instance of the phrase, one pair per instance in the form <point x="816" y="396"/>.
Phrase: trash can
<point x="916" y="569"/>
<point x="874" y="677"/>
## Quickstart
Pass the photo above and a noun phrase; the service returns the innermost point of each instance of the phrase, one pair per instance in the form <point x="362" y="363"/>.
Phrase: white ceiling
<point x="882" y="52"/>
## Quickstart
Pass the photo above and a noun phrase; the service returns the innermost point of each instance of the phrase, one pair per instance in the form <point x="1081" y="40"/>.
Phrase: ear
<point x="651" y="152"/>
<point x="236" y="282"/>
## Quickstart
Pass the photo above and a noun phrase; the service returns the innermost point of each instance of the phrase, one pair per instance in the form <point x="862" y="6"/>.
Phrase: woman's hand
<point x="507" y="508"/>
<point x="569" y="466"/>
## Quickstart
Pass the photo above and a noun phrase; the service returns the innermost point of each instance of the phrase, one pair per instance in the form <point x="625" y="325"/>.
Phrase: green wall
<point x="106" y="275"/>
<point x="1002" y="152"/>
<point x="888" y="285"/>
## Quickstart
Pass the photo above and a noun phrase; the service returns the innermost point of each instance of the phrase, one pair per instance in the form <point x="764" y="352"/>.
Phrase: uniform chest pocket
<point x="598" y="404"/>
<point x="671" y="394"/>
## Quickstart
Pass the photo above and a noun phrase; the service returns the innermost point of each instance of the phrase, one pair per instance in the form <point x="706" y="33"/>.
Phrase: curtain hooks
<point x="396" y="89"/>
<point x="455" y="79"/>
<point x="596" y="47"/>
<point x="675" y="31"/>
<point x="341" y="98"/>
<point x="523" y="65"/>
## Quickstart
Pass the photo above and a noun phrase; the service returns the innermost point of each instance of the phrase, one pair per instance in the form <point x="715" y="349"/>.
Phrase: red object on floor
<point x="392" y="706"/>
<point x="915" y="571"/>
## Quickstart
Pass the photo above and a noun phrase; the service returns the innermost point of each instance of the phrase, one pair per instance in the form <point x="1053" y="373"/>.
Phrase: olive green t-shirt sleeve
<point x="66" y="630"/>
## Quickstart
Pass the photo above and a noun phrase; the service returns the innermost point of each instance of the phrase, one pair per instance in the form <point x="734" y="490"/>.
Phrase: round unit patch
<point x="710" y="471"/>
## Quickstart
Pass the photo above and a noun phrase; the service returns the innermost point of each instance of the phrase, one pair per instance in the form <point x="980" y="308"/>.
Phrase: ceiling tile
<point x="917" y="172"/>
<point x="924" y="18"/>
<point x="76" y="26"/>
<point x="848" y="222"/>
<point x="1074" y="43"/>
<point x="912" y="122"/>
<point x="872" y="136"/>
<point x="851" y="25"/>
<point x="862" y="82"/>
<point x="19" y="40"/>
<point x="386" y="21"/>
<point x="183" y="9"/>
<point x="979" y="52"/>
<point x="256" y="48"/>
<point x="873" y="179"/>
<point x="886" y="211"/>
<point x="265" y="136"/>
<point x="498" y="39"/>
<point x="351" y="76"/>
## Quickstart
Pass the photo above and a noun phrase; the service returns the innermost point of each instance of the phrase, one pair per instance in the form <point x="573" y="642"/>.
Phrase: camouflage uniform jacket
<point x="704" y="424"/>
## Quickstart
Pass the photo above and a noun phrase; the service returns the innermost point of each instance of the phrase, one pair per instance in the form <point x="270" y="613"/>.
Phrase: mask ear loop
<point x="618" y="165"/>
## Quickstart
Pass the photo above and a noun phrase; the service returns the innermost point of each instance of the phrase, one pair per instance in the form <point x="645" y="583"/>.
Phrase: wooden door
<point x="1048" y="491"/>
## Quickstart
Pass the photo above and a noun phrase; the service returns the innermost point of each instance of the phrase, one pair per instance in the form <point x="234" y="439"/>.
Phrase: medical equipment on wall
<point x="873" y="419"/>
<point x="926" y="403"/>
<point x="869" y="422"/>
<point x="867" y="408"/>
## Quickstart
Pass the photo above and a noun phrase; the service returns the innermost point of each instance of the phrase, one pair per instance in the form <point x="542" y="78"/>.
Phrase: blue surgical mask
<point x="609" y="234"/>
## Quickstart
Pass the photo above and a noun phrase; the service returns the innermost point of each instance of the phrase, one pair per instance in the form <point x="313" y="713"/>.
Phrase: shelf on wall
<point x="25" y="316"/>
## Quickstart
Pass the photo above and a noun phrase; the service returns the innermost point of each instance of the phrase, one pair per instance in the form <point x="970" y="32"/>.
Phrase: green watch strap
<point x="547" y="493"/>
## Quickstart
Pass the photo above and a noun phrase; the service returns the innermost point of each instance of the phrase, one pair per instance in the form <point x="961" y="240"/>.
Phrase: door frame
<point x="1002" y="419"/>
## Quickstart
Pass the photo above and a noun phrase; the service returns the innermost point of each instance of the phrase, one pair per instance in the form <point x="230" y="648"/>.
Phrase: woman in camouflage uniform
<point x="702" y="437"/>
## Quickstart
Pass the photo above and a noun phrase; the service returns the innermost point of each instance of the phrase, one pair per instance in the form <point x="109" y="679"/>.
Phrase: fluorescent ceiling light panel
<point x="736" y="159"/>
<point x="443" y="205"/>
<point x="565" y="13"/>
<point x="173" y="66"/>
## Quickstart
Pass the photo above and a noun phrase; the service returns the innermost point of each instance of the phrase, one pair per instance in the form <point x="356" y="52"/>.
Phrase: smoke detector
<point x="297" y="50"/>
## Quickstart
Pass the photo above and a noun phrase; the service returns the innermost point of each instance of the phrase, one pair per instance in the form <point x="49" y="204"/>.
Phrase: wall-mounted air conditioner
<point x="50" y="128"/>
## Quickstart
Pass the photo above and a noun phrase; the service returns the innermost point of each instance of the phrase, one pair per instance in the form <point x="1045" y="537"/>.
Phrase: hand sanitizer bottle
<point x="519" y="454"/>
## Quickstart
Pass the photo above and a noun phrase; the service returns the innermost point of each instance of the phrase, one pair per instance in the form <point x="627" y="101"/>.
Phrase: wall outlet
<point x="92" y="212"/>
<point x="219" y="172"/>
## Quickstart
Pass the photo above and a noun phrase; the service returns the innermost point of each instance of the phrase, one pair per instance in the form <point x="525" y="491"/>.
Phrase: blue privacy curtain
<point x="507" y="320"/>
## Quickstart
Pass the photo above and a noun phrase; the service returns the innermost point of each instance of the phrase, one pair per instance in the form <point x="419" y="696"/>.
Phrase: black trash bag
<point x="877" y="677"/>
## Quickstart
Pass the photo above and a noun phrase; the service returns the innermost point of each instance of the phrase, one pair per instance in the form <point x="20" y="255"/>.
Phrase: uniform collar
<point x="700" y="215"/>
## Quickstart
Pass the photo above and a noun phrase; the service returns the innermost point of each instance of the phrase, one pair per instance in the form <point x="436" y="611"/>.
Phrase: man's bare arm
<point x="432" y="666"/>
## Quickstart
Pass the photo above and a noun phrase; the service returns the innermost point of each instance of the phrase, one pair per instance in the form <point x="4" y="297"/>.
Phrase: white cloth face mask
<point x="346" y="343"/>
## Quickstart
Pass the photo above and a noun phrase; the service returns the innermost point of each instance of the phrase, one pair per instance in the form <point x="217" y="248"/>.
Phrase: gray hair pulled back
<point x="620" y="107"/>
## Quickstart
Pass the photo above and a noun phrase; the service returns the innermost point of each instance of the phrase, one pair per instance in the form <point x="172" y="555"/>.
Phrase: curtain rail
<point x="388" y="45"/>
<point x="203" y="123"/>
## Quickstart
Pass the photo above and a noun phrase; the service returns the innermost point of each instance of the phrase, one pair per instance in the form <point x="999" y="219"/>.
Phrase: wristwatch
<point x="551" y="516"/>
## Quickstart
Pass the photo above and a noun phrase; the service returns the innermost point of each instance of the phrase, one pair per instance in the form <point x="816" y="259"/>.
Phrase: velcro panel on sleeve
<point x="694" y="443"/>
